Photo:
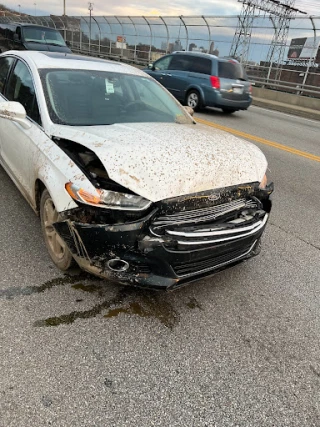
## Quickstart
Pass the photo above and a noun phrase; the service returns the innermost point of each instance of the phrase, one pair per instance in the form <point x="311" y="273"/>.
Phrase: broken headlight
<point x="108" y="199"/>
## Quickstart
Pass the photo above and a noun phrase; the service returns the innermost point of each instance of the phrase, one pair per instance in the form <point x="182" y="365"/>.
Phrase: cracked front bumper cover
<point x="179" y="241"/>
<point x="153" y="263"/>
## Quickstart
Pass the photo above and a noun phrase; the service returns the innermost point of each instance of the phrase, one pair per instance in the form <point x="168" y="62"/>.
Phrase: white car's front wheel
<point x="57" y="248"/>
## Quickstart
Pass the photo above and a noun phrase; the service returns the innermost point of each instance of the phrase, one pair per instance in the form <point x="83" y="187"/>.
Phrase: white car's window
<point x="20" y="88"/>
<point x="5" y="64"/>
<point x="84" y="97"/>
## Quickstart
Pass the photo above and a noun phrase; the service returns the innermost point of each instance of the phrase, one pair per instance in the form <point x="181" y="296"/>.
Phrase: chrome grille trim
<point x="204" y="214"/>
<point x="225" y="239"/>
<point x="209" y="233"/>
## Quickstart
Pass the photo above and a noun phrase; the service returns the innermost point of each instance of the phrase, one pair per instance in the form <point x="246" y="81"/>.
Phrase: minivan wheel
<point x="57" y="248"/>
<point x="193" y="100"/>
<point x="228" y="110"/>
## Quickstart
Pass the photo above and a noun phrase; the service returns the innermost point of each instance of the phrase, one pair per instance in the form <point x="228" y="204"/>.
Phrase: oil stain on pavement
<point x="127" y="301"/>
<point x="13" y="292"/>
<point x="148" y="305"/>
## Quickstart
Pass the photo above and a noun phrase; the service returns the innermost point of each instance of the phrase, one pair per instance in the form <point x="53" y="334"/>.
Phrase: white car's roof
<point x="72" y="61"/>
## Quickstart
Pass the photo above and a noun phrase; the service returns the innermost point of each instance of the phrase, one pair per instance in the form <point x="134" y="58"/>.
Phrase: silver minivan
<point x="202" y="80"/>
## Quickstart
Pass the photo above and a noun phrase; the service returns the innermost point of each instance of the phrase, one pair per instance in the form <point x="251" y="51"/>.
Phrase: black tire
<point x="58" y="250"/>
<point x="228" y="110"/>
<point x="193" y="100"/>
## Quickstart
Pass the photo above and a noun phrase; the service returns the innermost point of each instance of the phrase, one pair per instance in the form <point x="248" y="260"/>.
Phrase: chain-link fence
<point x="142" y="40"/>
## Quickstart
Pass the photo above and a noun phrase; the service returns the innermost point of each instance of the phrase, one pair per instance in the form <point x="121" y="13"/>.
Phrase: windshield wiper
<point x="55" y="44"/>
<point x="46" y="42"/>
<point x="99" y="124"/>
<point x="35" y="41"/>
<point x="88" y="125"/>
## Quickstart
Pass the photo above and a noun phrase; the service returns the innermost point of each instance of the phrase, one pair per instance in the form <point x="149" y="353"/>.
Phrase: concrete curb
<point x="307" y="113"/>
<point x="284" y="108"/>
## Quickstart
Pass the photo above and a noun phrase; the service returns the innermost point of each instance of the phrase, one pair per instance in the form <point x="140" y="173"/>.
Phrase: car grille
<point x="211" y="263"/>
<point x="204" y="239"/>
<point x="212" y="225"/>
<point x="203" y="215"/>
<point x="220" y="233"/>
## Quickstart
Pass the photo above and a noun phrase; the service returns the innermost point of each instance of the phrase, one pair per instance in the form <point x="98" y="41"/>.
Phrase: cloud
<point x="125" y="7"/>
<point x="145" y="7"/>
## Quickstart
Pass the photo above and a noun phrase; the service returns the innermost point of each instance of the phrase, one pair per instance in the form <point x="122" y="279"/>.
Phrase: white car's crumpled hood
<point x="163" y="160"/>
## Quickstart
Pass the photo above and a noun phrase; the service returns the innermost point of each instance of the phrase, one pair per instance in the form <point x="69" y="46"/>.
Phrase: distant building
<point x="212" y="50"/>
<point x="170" y="47"/>
<point x="164" y="46"/>
<point x="177" y="45"/>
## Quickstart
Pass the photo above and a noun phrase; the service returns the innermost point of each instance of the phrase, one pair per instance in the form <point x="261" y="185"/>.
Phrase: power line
<point x="311" y="7"/>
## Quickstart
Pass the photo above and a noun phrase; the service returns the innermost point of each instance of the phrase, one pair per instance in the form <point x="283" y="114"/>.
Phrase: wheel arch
<point x="51" y="178"/>
<point x="38" y="190"/>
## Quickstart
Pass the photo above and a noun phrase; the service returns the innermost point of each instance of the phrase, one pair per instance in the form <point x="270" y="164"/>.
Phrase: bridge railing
<point x="141" y="40"/>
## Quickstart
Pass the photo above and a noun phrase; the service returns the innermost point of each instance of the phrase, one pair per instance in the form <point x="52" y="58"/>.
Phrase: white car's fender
<point x="55" y="169"/>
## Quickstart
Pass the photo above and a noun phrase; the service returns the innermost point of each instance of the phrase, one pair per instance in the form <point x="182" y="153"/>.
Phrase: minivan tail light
<point x="215" y="82"/>
<point x="250" y="88"/>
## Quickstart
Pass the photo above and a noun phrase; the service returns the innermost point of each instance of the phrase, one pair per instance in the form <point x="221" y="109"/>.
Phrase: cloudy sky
<point x="143" y="7"/>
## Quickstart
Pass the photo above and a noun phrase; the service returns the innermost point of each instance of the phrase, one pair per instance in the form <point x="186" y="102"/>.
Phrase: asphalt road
<point x="238" y="349"/>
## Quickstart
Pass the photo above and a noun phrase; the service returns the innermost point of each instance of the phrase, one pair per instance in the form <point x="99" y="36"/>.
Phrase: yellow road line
<point x="261" y="140"/>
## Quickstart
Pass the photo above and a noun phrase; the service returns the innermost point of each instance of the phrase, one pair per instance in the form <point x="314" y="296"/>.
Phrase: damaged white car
<point x="126" y="184"/>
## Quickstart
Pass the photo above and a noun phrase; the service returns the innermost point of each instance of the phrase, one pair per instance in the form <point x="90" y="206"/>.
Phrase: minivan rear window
<point x="231" y="70"/>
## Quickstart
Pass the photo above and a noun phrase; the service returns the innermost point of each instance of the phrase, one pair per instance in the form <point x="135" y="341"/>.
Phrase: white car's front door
<point x="19" y="146"/>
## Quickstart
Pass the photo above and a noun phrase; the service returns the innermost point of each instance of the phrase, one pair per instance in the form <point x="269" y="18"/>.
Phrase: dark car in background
<point x="24" y="36"/>
<point x="202" y="80"/>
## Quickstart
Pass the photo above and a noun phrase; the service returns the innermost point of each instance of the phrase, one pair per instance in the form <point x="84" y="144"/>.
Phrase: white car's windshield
<point x="43" y="35"/>
<point x="88" y="98"/>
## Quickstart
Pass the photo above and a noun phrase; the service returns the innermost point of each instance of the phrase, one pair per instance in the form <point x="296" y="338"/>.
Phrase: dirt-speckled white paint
<point x="163" y="160"/>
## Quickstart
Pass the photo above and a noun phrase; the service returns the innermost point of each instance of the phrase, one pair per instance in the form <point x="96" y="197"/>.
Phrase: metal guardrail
<point x="288" y="87"/>
<point x="291" y="81"/>
<point x="141" y="40"/>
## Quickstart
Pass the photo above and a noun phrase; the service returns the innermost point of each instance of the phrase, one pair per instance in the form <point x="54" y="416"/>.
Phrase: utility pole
<point x="242" y="36"/>
<point x="35" y="9"/>
<point x="90" y="7"/>
<point x="281" y="21"/>
<point x="64" y="7"/>
<point x="19" y="6"/>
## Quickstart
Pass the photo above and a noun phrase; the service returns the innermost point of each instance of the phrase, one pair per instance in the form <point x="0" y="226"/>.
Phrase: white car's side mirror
<point x="16" y="112"/>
